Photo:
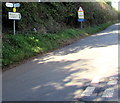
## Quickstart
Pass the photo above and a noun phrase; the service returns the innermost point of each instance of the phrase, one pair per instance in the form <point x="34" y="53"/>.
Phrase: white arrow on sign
<point x="17" y="5"/>
<point x="9" y="4"/>
<point x="80" y="9"/>
<point x="14" y="16"/>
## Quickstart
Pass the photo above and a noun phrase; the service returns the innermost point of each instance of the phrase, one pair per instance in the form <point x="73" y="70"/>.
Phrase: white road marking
<point x="108" y="93"/>
<point x="112" y="82"/>
<point x="88" y="91"/>
<point x="96" y="79"/>
<point x="113" y="78"/>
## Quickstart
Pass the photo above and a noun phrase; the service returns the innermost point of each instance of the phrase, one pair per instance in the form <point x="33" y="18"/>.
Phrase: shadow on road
<point x="93" y="41"/>
<point x="50" y="78"/>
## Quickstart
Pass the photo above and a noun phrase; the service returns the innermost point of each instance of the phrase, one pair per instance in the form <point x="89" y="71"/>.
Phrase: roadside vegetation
<point x="20" y="47"/>
<point x="46" y="26"/>
<point x="52" y="17"/>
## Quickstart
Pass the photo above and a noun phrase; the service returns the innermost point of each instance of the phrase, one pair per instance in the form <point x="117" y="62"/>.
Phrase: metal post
<point x="81" y="24"/>
<point x="14" y="26"/>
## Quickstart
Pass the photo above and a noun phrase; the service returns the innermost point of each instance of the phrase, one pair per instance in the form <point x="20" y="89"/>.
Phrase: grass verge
<point x="19" y="47"/>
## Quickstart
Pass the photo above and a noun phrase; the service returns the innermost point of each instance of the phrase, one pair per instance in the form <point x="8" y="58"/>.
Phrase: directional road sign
<point x="16" y="5"/>
<point x="13" y="5"/>
<point x="9" y="4"/>
<point x="14" y="16"/>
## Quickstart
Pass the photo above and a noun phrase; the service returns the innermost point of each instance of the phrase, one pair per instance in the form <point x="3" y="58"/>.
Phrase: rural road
<point x="86" y="70"/>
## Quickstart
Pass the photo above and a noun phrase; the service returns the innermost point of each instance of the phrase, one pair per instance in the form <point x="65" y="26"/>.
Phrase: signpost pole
<point x="13" y="15"/>
<point x="81" y="16"/>
<point x="14" y="26"/>
<point x="81" y="24"/>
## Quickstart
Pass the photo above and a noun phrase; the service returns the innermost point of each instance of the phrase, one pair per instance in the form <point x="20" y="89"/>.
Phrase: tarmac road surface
<point x="86" y="70"/>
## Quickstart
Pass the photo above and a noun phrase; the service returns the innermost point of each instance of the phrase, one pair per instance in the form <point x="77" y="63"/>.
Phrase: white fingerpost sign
<point x="80" y="15"/>
<point x="12" y="5"/>
<point x="16" y="5"/>
<point x="13" y="15"/>
<point x="9" y="4"/>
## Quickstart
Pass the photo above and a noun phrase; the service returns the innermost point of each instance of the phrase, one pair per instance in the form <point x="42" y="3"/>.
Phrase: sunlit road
<point x="86" y="70"/>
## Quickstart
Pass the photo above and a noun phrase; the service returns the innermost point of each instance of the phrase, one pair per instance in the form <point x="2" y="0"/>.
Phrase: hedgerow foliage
<point x="51" y="17"/>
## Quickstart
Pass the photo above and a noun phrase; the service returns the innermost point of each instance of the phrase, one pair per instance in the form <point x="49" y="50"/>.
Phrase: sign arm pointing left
<point x="9" y="4"/>
<point x="13" y="5"/>
<point x="13" y="15"/>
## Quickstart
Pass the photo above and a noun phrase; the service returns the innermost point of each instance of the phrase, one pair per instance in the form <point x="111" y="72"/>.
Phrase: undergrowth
<point x="21" y="46"/>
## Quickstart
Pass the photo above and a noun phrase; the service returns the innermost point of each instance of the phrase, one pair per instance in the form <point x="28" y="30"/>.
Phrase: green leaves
<point x="19" y="47"/>
<point x="52" y="17"/>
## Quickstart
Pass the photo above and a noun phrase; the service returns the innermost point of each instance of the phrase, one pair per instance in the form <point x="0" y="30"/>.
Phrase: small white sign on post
<point x="12" y="5"/>
<point x="14" y="16"/>
<point x="16" y="5"/>
<point x="9" y="4"/>
<point x="80" y="15"/>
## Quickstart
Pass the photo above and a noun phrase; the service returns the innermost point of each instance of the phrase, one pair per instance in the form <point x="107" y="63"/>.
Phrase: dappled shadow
<point x="44" y="83"/>
<point x="62" y="75"/>
<point x="57" y="80"/>
<point x="101" y="39"/>
<point x="100" y="89"/>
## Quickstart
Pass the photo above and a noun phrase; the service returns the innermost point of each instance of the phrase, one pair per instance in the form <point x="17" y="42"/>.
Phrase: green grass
<point x="20" y="46"/>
